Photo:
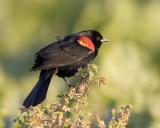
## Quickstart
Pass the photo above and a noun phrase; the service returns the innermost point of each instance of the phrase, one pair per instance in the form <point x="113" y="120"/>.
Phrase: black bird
<point x="63" y="58"/>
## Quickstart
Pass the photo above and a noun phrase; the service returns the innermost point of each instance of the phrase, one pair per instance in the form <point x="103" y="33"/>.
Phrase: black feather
<point x="38" y="93"/>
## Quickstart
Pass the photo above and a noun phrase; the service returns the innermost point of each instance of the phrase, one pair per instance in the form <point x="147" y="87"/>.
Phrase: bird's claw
<point x="69" y="85"/>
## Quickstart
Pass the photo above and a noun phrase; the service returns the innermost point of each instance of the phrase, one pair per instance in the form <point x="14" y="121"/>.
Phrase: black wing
<point x="60" y="53"/>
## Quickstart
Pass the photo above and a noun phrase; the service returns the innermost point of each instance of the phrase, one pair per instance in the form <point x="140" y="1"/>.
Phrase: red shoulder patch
<point x="86" y="42"/>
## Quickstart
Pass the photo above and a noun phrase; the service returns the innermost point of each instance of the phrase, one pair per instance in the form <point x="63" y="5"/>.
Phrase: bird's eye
<point x="98" y="38"/>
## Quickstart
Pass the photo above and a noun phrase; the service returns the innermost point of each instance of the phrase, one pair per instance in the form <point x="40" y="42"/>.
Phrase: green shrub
<point x="71" y="108"/>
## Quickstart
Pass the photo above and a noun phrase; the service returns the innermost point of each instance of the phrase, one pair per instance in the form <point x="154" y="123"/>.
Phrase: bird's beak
<point x="104" y="40"/>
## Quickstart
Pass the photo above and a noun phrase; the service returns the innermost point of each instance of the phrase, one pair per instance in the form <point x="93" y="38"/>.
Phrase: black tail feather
<point x="38" y="93"/>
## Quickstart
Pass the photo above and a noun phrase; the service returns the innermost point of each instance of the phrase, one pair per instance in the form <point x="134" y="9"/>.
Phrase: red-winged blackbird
<point x="63" y="58"/>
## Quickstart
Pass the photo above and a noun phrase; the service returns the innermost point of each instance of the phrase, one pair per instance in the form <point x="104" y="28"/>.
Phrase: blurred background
<point x="130" y="62"/>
